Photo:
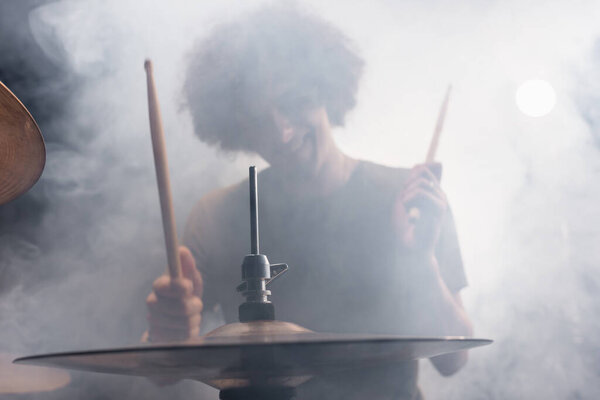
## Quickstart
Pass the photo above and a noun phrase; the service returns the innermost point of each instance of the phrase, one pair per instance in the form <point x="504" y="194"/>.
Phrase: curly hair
<point x="230" y="73"/>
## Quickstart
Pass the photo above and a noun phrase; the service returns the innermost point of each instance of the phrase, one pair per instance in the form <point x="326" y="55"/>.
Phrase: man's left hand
<point x="419" y="231"/>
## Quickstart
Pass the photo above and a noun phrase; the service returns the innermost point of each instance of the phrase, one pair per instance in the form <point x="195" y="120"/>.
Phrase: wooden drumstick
<point x="162" y="176"/>
<point x="435" y="139"/>
<point x="414" y="213"/>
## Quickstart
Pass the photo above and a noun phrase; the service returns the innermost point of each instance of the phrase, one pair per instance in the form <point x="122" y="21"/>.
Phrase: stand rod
<point x="254" y="240"/>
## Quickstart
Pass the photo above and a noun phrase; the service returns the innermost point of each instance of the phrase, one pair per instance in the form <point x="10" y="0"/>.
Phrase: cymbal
<point x="20" y="379"/>
<point x="22" y="150"/>
<point x="282" y="357"/>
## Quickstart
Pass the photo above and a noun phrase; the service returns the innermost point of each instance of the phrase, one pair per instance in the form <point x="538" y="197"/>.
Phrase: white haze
<point x="524" y="191"/>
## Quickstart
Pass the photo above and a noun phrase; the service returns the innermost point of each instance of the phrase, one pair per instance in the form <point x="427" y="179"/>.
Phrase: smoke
<point x="523" y="190"/>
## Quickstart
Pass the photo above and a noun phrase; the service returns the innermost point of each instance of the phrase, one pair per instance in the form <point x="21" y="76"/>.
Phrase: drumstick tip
<point x="148" y="65"/>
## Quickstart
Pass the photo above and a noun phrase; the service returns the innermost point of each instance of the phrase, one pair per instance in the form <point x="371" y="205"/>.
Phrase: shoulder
<point x="217" y="201"/>
<point x="380" y="176"/>
<point x="214" y="213"/>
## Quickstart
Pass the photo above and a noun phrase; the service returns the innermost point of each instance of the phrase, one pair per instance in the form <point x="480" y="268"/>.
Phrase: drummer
<point x="276" y="83"/>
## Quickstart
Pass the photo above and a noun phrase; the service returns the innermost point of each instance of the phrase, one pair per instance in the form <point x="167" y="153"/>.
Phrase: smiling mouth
<point x="301" y="141"/>
<point x="299" y="153"/>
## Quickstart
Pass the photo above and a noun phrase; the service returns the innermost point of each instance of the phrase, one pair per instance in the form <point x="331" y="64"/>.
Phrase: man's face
<point x="293" y="134"/>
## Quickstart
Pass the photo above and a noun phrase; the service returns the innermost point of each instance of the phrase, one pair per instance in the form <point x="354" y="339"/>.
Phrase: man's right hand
<point x="175" y="305"/>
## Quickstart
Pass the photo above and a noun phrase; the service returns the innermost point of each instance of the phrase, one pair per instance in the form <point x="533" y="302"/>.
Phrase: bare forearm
<point x="447" y="306"/>
<point x="442" y="313"/>
<point x="456" y="323"/>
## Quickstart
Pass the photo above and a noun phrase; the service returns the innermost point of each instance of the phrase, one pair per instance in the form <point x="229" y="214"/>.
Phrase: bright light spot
<point x="535" y="98"/>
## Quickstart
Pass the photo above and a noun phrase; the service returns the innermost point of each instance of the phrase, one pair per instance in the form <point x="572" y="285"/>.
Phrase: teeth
<point x="288" y="134"/>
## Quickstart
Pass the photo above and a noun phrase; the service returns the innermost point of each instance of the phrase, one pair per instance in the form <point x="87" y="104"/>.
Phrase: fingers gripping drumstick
<point x="162" y="176"/>
<point x="414" y="212"/>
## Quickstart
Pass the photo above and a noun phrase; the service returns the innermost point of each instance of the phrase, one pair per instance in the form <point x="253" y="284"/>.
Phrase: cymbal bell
<point x="21" y="379"/>
<point x="22" y="150"/>
<point x="242" y="354"/>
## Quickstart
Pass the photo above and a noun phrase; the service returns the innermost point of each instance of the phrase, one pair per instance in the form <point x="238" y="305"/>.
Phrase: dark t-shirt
<point x="346" y="271"/>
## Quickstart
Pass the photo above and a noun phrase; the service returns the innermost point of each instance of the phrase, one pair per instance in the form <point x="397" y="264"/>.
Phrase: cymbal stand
<point x="257" y="274"/>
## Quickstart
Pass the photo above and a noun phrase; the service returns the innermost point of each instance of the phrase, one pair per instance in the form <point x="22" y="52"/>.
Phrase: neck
<point x="329" y="174"/>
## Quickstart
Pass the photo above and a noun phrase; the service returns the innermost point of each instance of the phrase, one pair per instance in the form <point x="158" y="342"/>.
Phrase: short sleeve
<point x="449" y="256"/>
